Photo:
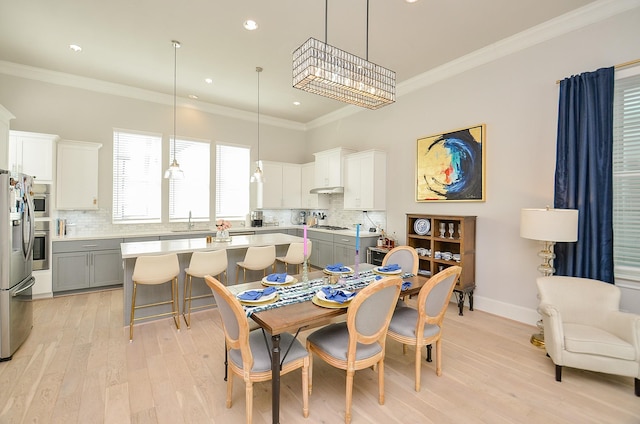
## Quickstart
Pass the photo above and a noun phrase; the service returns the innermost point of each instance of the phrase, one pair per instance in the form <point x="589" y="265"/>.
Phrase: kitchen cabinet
<point x="344" y="248"/>
<point x="435" y="237"/>
<point x="77" y="175"/>
<point x="365" y="180"/>
<point x="281" y="187"/>
<point x="86" y="264"/>
<point x="5" y="119"/>
<point x="32" y="154"/>
<point x="329" y="167"/>
<point x="307" y="182"/>
<point x="322" y="248"/>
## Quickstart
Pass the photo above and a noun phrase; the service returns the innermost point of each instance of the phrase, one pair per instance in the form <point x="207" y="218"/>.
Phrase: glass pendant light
<point x="258" y="176"/>
<point x="174" y="172"/>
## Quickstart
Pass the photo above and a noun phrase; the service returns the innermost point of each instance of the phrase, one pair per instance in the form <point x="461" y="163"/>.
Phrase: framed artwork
<point x="451" y="166"/>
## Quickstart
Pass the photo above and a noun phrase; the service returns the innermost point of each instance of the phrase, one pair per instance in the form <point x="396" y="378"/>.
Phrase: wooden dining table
<point x="301" y="316"/>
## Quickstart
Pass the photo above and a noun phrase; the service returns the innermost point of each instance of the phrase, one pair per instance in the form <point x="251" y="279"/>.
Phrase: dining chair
<point x="154" y="270"/>
<point x="423" y="326"/>
<point x="257" y="258"/>
<point x="249" y="352"/>
<point x="214" y="263"/>
<point x="295" y="255"/>
<point x="405" y="256"/>
<point x="359" y="342"/>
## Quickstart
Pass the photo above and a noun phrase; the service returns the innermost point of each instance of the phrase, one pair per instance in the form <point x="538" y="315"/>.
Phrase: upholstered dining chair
<point x="584" y="327"/>
<point x="257" y="258"/>
<point x="405" y="256"/>
<point x="359" y="342"/>
<point x="213" y="262"/>
<point x="154" y="270"/>
<point x="423" y="326"/>
<point x="295" y="255"/>
<point x="249" y="352"/>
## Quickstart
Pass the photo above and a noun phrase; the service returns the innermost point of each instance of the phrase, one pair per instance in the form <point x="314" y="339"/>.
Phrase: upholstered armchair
<point x="584" y="328"/>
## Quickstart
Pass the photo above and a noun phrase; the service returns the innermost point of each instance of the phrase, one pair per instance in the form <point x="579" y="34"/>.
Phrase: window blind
<point x="137" y="176"/>
<point x="232" y="181"/>
<point x="626" y="178"/>
<point x="190" y="194"/>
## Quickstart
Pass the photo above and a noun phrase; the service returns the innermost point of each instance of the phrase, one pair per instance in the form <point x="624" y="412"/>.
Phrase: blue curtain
<point x="583" y="178"/>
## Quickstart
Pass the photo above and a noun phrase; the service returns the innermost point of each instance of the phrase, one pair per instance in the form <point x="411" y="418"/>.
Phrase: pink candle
<point x="305" y="241"/>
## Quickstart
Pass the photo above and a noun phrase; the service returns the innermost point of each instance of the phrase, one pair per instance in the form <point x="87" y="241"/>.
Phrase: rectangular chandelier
<point x="322" y="69"/>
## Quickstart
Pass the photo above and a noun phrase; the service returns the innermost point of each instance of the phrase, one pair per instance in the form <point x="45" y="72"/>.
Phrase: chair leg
<point x="186" y="313"/>
<point x="381" y="382"/>
<point x="428" y="353"/>
<point x="471" y="300"/>
<point x="347" y="414"/>
<point x="418" y="366"/>
<point x="249" y="401"/>
<point x="175" y="306"/>
<point x="229" y="391"/>
<point x="439" y="357"/>
<point x="305" y="387"/>
<point x="558" y="372"/>
<point x="226" y="361"/>
<point x="310" y="368"/>
<point x="133" y="307"/>
<point x="637" y="386"/>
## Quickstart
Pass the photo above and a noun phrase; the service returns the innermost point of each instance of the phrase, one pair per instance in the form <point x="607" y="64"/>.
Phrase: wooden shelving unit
<point x="432" y="245"/>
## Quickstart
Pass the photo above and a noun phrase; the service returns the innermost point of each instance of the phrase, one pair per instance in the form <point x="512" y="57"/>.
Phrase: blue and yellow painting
<point x="451" y="166"/>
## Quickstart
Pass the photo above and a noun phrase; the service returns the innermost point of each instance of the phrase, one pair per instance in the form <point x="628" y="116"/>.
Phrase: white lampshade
<point x="556" y="225"/>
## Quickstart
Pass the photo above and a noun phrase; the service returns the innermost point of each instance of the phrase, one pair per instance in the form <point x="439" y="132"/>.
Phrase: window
<point x="190" y="194"/>
<point x="137" y="177"/>
<point x="626" y="178"/>
<point x="232" y="181"/>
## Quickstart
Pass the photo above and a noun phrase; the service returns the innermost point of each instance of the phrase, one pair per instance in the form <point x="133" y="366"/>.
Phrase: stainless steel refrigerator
<point x="17" y="225"/>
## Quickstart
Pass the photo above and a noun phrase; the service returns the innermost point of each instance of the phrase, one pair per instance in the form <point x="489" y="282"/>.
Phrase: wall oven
<point x="41" y="246"/>
<point x="41" y="200"/>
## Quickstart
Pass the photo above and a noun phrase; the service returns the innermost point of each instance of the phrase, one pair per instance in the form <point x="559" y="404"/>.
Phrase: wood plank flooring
<point x="78" y="367"/>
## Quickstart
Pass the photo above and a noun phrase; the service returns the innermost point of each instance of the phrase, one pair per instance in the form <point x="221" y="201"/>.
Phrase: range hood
<point x="327" y="190"/>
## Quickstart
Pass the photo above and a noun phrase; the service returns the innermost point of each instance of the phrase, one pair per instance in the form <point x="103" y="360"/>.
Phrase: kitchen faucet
<point x="191" y="224"/>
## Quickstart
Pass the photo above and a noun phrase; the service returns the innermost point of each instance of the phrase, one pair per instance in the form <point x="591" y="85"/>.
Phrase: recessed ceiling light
<point x="250" y="25"/>
<point x="193" y="96"/>
<point x="75" y="47"/>
<point x="296" y="103"/>
<point x="411" y="1"/>
<point x="208" y="80"/>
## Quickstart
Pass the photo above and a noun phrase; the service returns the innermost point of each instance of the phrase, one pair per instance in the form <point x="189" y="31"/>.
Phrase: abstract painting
<point x="450" y="166"/>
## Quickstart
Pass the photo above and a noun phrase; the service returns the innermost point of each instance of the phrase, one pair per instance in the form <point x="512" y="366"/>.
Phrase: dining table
<point x="297" y="307"/>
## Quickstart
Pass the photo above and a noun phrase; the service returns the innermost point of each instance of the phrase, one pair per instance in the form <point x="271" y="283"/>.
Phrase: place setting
<point x="391" y="269"/>
<point x="337" y="268"/>
<point x="256" y="297"/>
<point x="278" y="279"/>
<point x="329" y="297"/>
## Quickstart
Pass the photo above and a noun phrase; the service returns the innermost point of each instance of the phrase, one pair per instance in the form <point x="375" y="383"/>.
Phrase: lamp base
<point x="537" y="339"/>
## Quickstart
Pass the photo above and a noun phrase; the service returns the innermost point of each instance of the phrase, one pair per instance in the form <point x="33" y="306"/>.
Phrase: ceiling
<point x="128" y="42"/>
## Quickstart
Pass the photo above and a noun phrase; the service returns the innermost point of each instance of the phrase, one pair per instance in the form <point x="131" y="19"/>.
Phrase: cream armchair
<point x="584" y="328"/>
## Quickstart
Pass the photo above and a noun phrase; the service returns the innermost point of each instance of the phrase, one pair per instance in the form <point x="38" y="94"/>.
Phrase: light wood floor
<point x="78" y="367"/>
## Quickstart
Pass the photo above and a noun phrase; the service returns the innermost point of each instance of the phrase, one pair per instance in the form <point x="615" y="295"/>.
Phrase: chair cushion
<point x="261" y="351"/>
<point x="334" y="340"/>
<point x="404" y="321"/>
<point x="580" y="338"/>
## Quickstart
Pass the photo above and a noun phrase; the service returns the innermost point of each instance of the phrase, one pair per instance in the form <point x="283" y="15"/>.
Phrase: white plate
<point x="287" y="280"/>
<point x="422" y="226"/>
<point x="379" y="271"/>
<point x="323" y="297"/>
<point x="262" y="298"/>
<point x="350" y="270"/>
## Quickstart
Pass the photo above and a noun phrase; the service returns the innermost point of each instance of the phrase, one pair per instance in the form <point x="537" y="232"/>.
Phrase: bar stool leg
<point x="133" y="307"/>
<point x="175" y="306"/>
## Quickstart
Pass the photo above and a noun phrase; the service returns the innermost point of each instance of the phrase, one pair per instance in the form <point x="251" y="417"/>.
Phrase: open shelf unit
<point x="462" y="241"/>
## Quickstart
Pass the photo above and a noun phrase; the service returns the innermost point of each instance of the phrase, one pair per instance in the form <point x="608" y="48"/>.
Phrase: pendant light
<point x="258" y="176"/>
<point x="174" y="172"/>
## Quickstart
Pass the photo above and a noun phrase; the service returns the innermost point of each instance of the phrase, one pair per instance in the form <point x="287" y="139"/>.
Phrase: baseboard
<point x="506" y="310"/>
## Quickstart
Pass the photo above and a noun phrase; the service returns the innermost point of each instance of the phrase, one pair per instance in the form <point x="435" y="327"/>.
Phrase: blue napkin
<point x="256" y="294"/>
<point x="406" y="285"/>
<point x="277" y="278"/>
<point x="339" y="296"/>
<point x="337" y="268"/>
<point x="389" y="268"/>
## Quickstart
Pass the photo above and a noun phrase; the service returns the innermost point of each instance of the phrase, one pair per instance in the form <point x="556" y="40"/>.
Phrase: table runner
<point x="302" y="292"/>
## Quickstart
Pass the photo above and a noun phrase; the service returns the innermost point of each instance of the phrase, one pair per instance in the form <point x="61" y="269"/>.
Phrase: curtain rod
<point x="620" y="65"/>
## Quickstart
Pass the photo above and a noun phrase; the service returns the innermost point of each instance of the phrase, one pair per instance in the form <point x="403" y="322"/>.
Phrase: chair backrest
<point x="234" y="321"/>
<point x="212" y="262"/>
<point x="579" y="300"/>
<point x="295" y="253"/>
<point x="260" y="257"/>
<point x="370" y="312"/>
<point x="156" y="269"/>
<point x="434" y="296"/>
<point x="405" y="256"/>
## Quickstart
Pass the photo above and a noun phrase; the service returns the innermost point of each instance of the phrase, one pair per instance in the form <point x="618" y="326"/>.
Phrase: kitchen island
<point x="236" y="249"/>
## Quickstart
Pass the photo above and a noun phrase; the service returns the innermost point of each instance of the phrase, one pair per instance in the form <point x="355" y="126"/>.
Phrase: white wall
<point x="516" y="97"/>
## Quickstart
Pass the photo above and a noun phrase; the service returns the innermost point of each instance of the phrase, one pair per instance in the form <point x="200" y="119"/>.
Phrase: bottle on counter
<point x="381" y="239"/>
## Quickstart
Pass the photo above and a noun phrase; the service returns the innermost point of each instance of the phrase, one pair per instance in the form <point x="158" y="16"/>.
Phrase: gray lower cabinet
<point x="344" y="248"/>
<point x="322" y="248"/>
<point x="86" y="264"/>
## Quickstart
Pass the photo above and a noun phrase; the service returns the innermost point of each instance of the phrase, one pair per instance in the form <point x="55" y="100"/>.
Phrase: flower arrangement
<point x="222" y="225"/>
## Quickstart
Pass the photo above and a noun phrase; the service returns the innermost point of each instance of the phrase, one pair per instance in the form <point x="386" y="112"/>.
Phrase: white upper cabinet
<point x="281" y="188"/>
<point x="308" y="181"/>
<point x="329" y="167"/>
<point x="32" y="154"/>
<point x="77" y="175"/>
<point x="365" y="180"/>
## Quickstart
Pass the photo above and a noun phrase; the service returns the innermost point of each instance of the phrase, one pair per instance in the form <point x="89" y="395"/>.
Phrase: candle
<point x="305" y="242"/>
<point x="357" y="237"/>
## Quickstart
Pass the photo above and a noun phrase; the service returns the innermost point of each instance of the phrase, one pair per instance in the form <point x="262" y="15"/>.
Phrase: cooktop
<point x="329" y="227"/>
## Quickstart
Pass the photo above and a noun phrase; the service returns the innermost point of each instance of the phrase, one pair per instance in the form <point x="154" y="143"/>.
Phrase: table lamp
<point x="549" y="226"/>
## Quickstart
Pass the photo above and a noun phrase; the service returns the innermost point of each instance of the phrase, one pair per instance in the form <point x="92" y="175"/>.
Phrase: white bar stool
<point x="212" y="263"/>
<point x="295" y="255"/>
<point x="154" y="270"/>
<point x="257" y="258"/>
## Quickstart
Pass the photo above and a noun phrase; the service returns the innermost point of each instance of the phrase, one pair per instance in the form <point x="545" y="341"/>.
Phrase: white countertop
<point x="161" y="247"/>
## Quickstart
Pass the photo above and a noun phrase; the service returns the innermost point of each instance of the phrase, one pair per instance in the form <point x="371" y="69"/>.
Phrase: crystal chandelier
<point x="326" y="70"/>
<point x="174" y="172"/>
